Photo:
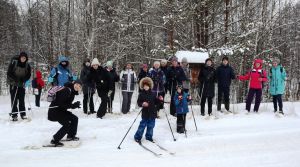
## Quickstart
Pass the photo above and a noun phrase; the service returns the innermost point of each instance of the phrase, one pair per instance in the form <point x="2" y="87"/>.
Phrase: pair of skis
<point x="158" y="146"/>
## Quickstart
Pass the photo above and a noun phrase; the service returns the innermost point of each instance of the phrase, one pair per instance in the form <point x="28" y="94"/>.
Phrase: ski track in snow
<point x="260" y="140"/>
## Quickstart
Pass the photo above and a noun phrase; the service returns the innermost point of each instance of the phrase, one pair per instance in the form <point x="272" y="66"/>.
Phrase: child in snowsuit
<point x="256" y="76"/>
<point x="181" y="99"/>
<point x="58" y="111"/>
<point x="149" y="102"/>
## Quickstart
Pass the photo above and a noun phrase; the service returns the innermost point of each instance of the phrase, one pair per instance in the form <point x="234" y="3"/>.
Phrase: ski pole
<point x="183" y="118"/>
<point x="169" y="124"/>
<point x="194" y="117"/>
<point x="119" y="147"/>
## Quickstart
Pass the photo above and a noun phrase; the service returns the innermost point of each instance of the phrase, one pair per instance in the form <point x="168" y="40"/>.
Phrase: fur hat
<point x="95" y="62"/>
<point x="146" y="81"/>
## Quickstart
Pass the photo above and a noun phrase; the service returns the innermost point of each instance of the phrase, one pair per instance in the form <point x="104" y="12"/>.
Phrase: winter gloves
<point x="75" y="105"/>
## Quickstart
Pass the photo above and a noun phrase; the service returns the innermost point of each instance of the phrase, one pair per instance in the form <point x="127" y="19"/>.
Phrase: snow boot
<point x="56" y="143"/>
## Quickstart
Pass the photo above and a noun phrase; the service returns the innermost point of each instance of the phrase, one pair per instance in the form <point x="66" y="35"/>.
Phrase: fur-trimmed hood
<point x="144" y="81"/>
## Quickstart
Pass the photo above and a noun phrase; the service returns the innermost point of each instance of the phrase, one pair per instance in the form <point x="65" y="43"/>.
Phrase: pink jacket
<point x="254" y="75"/>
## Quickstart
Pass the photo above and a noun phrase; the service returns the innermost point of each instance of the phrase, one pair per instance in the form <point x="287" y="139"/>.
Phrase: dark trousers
<point x="110" y="101"/>
<point x="209" y="104"/>
<point x="38" y="98"/>
<point x="181" y="119"/>
<point x="88" y="99"/>
<point x="223" y="92"/>
<point x="69" y="124"/>
<point x="150" y="124"/>
<point x="277" y="99"/>
<point x="126" y="101"/>
<point x="172" y="104"/>
<point x="103" y="106"/>
<point x="17" y="95"/>
<point x="251" y="93"/>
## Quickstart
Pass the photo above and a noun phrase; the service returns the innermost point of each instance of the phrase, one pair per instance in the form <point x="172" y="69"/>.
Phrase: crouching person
<point x="181" y="100"/>
<point x="58" y="111"/>
<point x="149" y="102"/>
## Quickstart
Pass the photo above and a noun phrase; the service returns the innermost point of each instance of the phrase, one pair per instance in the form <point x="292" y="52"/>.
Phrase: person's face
<point x="146" y="87"/>
<point x="95" y="66"/>
<point x="208" y="63"/>
<point x="225" y="62"/>
<point x="156" y="66"/>
<point x="145" y="68"/>
<point x="129" y="66"/>
<point x="257" y="65"/>
<point x="275" y="64"/>
<point x="64" y="63"/>
<point x="77" y="87"/>
<point x="22" y="59"/>
<point x="179" y="90"/>
<point x="174" y="63"/>
<point x="88" y="64"/>
<point x="163" y="64"/>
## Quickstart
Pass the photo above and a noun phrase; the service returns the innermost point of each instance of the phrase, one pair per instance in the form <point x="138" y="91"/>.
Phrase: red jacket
<point x="255" y="74"/>
<point x="39" y="80"/>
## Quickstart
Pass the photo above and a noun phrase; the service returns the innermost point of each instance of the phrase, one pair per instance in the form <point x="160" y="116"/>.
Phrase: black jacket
<point x="87" y="83"/>
<point x="175" y="76"/>
<point x="101" y="78"/>
<point x="15" y="68"/>
<point x="149" y="112"/>
<point x="63" y="101"/>
<point x="113" y="77"/>
<point x="224" y="76"/>
<point x="207" y="78"/>
<point x="142" y="75"/>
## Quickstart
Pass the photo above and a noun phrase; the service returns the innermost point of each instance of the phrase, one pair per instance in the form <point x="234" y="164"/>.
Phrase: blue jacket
<point x="277" y="78"/>
<point x="181" y="105"/>
<point x="60" y="75"/>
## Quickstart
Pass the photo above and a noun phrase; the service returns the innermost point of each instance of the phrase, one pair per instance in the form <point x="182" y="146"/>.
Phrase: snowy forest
<point x="140" y="31"/>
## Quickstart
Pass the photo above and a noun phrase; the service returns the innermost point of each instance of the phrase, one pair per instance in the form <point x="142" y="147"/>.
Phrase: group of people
<point x="154" y="84"/>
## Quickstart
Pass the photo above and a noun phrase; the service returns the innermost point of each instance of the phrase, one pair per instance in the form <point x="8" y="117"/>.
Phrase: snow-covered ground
<point x="232" y="140"/>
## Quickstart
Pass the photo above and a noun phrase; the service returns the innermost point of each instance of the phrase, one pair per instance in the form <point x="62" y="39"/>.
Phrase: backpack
<point x="55" y="77"/>
<point x="34" y="83"/>
<point x="52" y="92"/>
<point x="14" y="61"/>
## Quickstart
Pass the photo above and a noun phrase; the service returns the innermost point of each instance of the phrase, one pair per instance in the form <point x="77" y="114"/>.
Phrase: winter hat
<point x="146" y="81"/>
<point x="225" y="58"/>
<point x="184" y="60"/>
<point x="78" y="81"/>
<point x="179" y="87"/>
<point x="164" y="61"/>
<point x="144" y="66"/>
<point x="276" y="59"/>
<point x="156" y="62"/>
<point x="174" y="59"/>
<point x="109" y="64"/>
<point x="87" y="60"/>
<point x="62" y="58"/>
<point x="24" y="54"/>
<point x="95" y="62"/>
<point x="208" y="59"/>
